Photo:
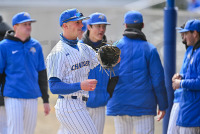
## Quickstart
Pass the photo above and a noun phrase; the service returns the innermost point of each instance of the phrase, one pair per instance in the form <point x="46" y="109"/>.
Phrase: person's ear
<point x="125" y="25"/>
<point x="65" y="25"/>
<point x="15" y="27"/>
<point x="89" y="27"/>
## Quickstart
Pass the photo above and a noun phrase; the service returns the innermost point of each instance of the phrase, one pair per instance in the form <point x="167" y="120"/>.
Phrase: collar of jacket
<point x="87" y="41"/>
<point x="134" y="33"/>
<point x="10" y="35"/>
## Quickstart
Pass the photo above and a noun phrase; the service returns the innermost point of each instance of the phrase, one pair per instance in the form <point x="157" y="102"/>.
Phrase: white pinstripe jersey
<point x="71" y="65"/>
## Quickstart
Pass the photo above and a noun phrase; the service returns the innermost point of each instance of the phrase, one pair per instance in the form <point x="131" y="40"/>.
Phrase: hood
<point x="134" y="33"/>
<point x="10" y="35"/>
<point x="95" y="45"/>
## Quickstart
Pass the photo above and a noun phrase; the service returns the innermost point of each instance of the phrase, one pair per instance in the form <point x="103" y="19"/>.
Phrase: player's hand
<point x="176" y="76"/>
<point x="176" y="84"/>
<point x="89" y="85"/>
<point x="47" y="108"/>
<point x="160" y="115"/>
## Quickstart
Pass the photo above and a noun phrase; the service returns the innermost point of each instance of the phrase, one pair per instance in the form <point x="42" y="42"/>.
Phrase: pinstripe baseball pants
<point x="21" y="115"/>
<point x="172" y="127"/>
<point x="74" y="117"/>
<point x="141" y="124"/>
<point x="98" y="117"/>
<point x="189" y="130"/>
<point x="3" y="120"/>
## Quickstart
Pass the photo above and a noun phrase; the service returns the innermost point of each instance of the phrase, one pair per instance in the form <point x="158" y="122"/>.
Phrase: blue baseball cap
<point x="21" y="18"/>
<point x="71" y="15"/>
<point x="84" y="28"/>
<point x="133" y="17"/>
<point x="191" y="25"/>
<point x="97" y="18"/>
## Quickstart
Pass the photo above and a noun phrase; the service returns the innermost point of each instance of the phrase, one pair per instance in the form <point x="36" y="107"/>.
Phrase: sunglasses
<point x="77" y="15"/>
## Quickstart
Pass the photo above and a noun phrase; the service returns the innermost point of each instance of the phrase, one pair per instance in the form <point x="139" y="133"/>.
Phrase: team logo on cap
<point x="135" y="21"/>
<point x="33" y="50"/>
<point x="101" y="17"/>
<point x="26" y="14"/>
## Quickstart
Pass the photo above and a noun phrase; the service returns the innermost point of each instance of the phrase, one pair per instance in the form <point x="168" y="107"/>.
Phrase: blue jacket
<point x="21" y="62"/>
<point x="99" y="97"/>
<point x="189" y="114"/>
<point x="141" y="83"/>
<point x="177" y="93"/>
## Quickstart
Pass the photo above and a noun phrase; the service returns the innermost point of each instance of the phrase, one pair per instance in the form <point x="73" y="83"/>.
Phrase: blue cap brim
<point x="27" y="20"/>
<point x="183" y="30"/>
<point x="179" y="28"/>
<point x="100" y="23"/>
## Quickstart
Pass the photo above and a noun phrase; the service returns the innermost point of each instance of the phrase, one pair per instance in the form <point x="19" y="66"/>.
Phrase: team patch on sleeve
<point x="80" y="65"/>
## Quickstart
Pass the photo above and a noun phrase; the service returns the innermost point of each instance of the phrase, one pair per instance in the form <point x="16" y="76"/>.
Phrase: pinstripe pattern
<point x="98" y="117"/>
<point x="71" y="66"/>
<point x="141" y="124"/>
<point x="63" y="59"/>
<point x="189" y="130"/>
<point x="172" y="127"/>
<point x="3" y="120"/>
<point x="23" y="115"/>
<point x="74" y="117"/>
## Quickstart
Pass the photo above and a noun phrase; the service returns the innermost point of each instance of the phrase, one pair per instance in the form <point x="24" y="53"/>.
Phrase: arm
<point x="58" y="87"/>
<point x="190" y="83"/>
<point x="43" y="84"/>
<point x="42" y="80"/>
<point x="157" y="78"/>
<point x="111" y="85"/>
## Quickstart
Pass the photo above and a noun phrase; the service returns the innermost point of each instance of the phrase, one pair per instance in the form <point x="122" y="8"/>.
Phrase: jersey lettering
<point x="80" y="65"/>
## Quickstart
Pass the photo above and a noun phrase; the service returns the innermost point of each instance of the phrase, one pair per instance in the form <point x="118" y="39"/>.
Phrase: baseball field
<point x="46" y="30"/>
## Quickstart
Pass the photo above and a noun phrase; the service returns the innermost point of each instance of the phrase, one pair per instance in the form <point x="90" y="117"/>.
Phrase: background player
<point x="22" y="60"/>
<point x="172" y="127"/>
<point x="95" y="37"/>
<point x="68" y="66"/>
<point x="141" y="85"/>
<point x="188" y="118"/>
<point x="3" y="119"/>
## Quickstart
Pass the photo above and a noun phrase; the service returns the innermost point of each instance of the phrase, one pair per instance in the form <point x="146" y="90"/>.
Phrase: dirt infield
<point x="49" y="124"/>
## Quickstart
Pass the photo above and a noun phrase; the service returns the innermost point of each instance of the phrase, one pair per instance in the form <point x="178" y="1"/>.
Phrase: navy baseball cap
<point x="133" y="17"/>
<point x="21" y="18"/>
<point x="97" y="18"/>
<point x="71" y="15"/>
<point x="84" y="28"/>
<point x="191" y="25"/>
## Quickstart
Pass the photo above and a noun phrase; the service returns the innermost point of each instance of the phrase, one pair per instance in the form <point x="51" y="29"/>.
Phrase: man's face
<point x="190" y="38"/>
<point x="183" y="38"/>
<point x="97" y="32"/>
<point x="74" y="28"/>
<point x="23" y="29"/>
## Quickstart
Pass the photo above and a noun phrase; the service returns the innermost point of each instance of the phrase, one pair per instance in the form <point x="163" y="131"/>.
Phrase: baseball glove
<point x="108" y="56"/>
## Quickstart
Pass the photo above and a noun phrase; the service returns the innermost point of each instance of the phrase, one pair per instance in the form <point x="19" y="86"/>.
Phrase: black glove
<point x="108" y="56"/>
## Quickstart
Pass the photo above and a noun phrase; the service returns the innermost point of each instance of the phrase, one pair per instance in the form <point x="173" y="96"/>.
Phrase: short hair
<point x="138" y="26"/>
